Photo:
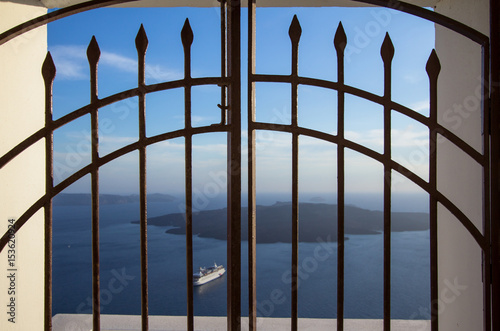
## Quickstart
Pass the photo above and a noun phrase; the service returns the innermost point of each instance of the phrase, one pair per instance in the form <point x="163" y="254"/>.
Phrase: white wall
<point x="22" y="181"/>
<point x="460" y="178"/>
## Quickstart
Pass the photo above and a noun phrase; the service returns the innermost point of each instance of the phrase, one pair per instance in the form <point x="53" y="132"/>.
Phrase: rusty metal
<point x="433" y="68"/>
<point x="494" y="93"/>
<point x="476" y="234"/>
<point x="340" y="42"/>
<point x="234" y="167"/>
<point x="294" y="32"/>
<point x="48" y="73"/>
<point x="390" y="165"/>
<point x="93" y="54"/>
<point x="387" y="53"/>
<point x="252" y="239"/>
<point x="432" y="16"/>
<point x="486" y="263"/>
<point x="141" y="44"/>
<point x="187" y="40"/>
<point x="223" y="61"/>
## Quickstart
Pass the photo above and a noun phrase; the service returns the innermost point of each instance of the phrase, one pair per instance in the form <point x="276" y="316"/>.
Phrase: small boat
<point x="206" y="275"/>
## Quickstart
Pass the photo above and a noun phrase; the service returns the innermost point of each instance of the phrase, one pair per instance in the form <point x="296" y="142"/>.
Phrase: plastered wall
<point x="459" y="177"/>
<point x="22" y="181"/>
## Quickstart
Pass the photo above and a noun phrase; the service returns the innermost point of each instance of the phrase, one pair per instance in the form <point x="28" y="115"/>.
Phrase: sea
<point x="317" y="292"/>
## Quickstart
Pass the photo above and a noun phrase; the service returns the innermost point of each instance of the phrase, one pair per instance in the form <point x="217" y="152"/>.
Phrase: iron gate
<point x="230" y="83"/>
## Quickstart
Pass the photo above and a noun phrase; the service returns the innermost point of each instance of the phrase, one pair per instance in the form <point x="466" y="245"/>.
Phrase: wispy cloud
<point x="156" y="73"/>
<point x="159" y="73"/>
<point x="119" y="62"/>
<point x="414" y="78"/>
<point x="407" y="137"/>
<point x="71" y="64"/>
<point x="70" y="61"/>
<point x="114" y="140"/>
<point x="410" y="137"/>
<point x="200" y="120"/>
<point x="420" y="106"/>
<point x="371" y="138"/>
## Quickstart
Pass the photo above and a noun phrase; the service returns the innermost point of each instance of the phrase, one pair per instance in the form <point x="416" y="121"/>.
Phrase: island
<point x="317" y="221"/>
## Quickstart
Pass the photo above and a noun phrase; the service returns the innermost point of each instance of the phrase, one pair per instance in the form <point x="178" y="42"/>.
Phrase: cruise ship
<point x="206" y="275"/>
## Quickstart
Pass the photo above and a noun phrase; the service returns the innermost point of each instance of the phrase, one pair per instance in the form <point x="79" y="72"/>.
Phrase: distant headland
<point x="317" y="221"/>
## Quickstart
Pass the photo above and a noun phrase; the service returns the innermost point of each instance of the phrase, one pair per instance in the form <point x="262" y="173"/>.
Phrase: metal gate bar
<point x="141" y="43"/>
<point x="93" y="54"/>
<point x="234" y="167"/>
<point x="487" y="193"/>
<point x="387" y="53"/>
<point x="340" y="42"/>
<point x="495" y="161"/>
<point x="48" y="73"/>
<point x="187" y="40"/>
<point x="252" y="239"/>
<point x="294" y="32"/>
<point x="433" y="68"/>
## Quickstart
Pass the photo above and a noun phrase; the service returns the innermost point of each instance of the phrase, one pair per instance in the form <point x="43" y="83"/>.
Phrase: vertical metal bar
<point x="340" y="42"/>
<point x="252" y="259"/>
<point x="187" y="40"/>
<point x="93" y="54"/>
<point x="387" y="52"/>
<point x="48" y="73"/>
<point x="294" y="32"/>
<point x="234" y="168"/>
<point x="141" y="42"/>
<point x="494" y="83"/>
<point x="433" y="67"/>
<point x="223" y="60"/>
<point x="486" y="188"/>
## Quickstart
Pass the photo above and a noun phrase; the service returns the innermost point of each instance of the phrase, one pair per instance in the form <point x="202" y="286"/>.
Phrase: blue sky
<point x="115" y="30"/>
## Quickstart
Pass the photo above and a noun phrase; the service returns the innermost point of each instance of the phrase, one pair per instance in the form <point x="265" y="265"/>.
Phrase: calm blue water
<point x="120" y="269"/>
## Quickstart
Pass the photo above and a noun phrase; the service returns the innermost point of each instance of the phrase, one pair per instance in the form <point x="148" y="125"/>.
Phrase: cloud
<point x="211" y="148"/>
<point x="156" y="73"/>
<point x="70" y="61"/>
<point x="159" y="73"/>
<point x="410" y="137"/>
<point x="414" y="78"/>
<point x="71" y="64"/>
<point x="407" y="137"/>
<point x="119" y="62"/>
<point x="196" y="119"/>
<point x="370" y="138"/>
<point x="420" y="106"/>
<point x="116" y="140"/>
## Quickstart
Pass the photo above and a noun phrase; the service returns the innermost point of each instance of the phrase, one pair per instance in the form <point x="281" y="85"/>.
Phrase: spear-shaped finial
<point x="433" y="66"/>
<point x="93" y="52"/>
<point x="187" y="34"/>
<point x="141" y="41"/>
<point x="340" y="40"/>
<point x="295" y="30"/>
<point x="48" y="69"/>
<point x="387" y="49"/>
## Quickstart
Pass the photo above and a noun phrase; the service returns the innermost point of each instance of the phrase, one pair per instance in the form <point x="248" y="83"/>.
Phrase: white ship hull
<point x="207" y="275"/>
